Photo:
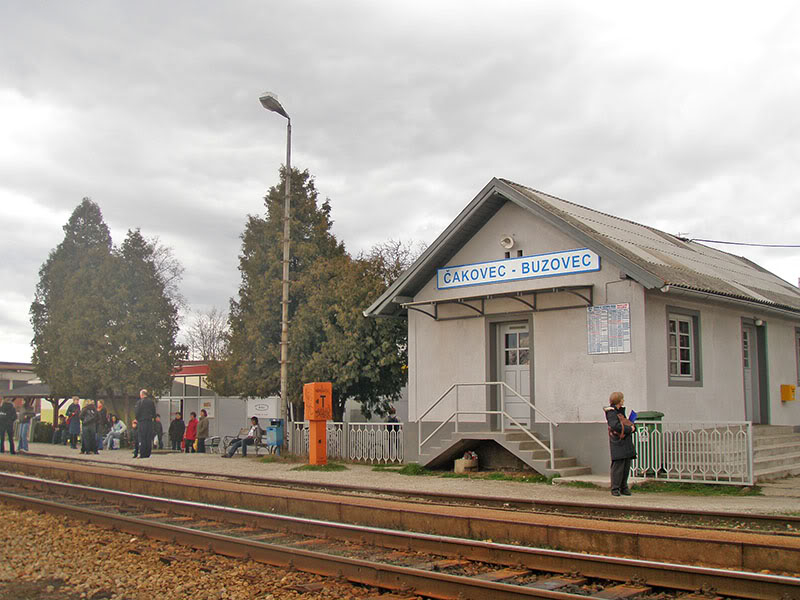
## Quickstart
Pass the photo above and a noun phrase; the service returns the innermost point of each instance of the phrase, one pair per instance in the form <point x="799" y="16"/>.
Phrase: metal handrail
<point x="455" y="414"/>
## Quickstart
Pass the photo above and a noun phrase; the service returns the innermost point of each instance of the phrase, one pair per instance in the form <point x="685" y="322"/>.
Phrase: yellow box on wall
<point x="787" y="393"/>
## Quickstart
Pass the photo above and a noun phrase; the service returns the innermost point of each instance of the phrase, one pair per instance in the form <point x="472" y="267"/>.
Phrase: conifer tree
<point x="329" y="338"/>
<point x="67" y="313"/>
<point x="103" y="325"/>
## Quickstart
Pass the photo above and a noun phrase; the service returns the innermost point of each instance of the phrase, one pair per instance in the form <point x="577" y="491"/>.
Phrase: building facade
<point x="564" y="305"/>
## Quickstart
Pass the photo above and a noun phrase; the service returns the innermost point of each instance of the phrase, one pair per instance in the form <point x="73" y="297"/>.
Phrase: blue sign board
<point x="552" y="264"/>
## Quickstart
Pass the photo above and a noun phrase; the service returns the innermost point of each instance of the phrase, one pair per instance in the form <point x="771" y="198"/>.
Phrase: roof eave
<point x="496" y="186"/>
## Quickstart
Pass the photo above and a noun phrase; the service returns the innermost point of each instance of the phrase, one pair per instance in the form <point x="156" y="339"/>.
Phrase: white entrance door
<point x="514" y="357"/>
<point x="752" y="400"/>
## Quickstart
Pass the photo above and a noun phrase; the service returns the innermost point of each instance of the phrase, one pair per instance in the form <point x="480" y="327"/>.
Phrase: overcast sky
<point x="683" y="116"/>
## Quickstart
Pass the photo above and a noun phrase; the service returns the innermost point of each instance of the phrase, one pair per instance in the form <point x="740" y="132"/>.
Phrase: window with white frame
<point x="683" y="352"/>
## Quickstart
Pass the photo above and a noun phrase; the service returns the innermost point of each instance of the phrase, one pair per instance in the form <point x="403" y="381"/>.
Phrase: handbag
<point x="195" y="445"/>
<point x="183" y="444"/>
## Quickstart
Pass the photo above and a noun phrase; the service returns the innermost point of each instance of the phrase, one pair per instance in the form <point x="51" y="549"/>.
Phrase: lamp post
<point x="270" y="102"/>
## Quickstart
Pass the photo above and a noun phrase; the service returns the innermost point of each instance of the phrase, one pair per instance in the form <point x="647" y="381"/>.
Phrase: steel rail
<point x="748" y="552"/>
<point x="669" y="575"/>
<point x="578" y="509"/>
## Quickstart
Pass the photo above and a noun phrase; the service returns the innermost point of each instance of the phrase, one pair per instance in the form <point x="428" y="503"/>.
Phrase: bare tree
<point x="169" y="270"/>
<point x="207" y="335"/>
<point x="392" y="257"/>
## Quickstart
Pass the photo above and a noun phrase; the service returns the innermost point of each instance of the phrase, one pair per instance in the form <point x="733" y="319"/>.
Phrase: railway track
<point x="429" y="565"/>
<point x="784" y="525"/>
<point x="755" y="552"/>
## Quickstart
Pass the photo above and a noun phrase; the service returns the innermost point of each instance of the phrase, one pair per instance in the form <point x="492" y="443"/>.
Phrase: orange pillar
<point x="317" y="399"/>
<point x="317" y="442"/>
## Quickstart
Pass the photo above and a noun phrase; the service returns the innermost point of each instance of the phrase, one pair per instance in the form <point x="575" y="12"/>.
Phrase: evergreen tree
<point x="255" y="318"/>
<point x="141" y="348"/>
<point x="67" y="313"/>
<point x="103" y="326"/>
<point x="329" y="338"/>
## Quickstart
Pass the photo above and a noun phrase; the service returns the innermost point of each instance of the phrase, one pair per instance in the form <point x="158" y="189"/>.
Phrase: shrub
<point x="42" y="433"/>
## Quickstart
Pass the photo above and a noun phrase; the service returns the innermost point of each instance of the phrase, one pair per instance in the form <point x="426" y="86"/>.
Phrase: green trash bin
<point x="651" y="443"/>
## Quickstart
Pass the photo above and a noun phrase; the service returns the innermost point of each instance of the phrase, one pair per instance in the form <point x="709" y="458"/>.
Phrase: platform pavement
<point x="782" y="496"/>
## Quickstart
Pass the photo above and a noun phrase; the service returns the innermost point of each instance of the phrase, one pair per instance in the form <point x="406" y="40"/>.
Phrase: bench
<point x="229" y="439"/>
<point x="260" y="443"/>
<point x="213" y="444"/>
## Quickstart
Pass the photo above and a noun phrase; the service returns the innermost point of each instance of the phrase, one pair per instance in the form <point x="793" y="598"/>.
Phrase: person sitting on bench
<point x="252" y="435"/>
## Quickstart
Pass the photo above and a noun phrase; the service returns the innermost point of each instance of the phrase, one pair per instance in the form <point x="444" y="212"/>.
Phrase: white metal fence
<point x="695" y="452"/>
<point x="367" y="442"/>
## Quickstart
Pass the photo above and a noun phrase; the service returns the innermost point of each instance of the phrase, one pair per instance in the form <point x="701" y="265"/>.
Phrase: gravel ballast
<point x="46" y="558"/>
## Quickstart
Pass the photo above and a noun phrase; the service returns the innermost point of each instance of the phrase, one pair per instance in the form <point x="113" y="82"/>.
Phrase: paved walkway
<point x="782" y="496"/>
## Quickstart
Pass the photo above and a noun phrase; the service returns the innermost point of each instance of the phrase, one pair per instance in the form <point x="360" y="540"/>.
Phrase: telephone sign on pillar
<point x="318" y="400"/>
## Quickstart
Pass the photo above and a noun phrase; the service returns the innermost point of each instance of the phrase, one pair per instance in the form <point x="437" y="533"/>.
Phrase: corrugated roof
<point x="653" y="258"/>
<point x="676" y="261"/>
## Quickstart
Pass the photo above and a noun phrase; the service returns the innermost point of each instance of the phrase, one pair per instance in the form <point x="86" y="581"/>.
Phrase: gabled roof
<point x="653" y="258"/>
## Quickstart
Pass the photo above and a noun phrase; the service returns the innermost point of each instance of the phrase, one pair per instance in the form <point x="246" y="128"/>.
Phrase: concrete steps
<point x="517" y="443"/>
<point x="776" y="452"/>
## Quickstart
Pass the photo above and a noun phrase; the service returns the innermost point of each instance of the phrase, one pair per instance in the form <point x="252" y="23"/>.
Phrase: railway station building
<point x="529" y="310"/>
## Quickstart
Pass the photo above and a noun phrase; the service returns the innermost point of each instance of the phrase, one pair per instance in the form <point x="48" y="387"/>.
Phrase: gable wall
<point x="569" y="384"/>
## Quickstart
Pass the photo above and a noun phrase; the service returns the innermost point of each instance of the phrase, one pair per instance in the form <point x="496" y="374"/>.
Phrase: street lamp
<point x="271" y="103"/>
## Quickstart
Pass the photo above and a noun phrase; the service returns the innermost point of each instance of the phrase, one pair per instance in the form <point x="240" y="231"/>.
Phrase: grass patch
<point x="393" y="468"/>
<point x="414" y="469"/>
<point x="521" y="477"/>
<point x="696" y="489"/>
<point x="333" y="466"/>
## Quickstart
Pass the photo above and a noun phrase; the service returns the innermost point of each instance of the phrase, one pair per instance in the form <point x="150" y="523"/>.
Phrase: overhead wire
<point x="745" y="243"/>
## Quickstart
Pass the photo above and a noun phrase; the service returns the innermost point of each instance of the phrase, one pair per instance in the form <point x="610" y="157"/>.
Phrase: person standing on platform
<point x="134" y="437"/>
<point x="191" y="433"/>
<point x="145" y="413"/>
<point x="202" y="431"/>
<point x="8" y="414"/>
<point x="89" y="423"/>
<point x="158" y="429"/>
<point x="176" y="429"/>
<point x="26" y="413"/>
<point x="620" y="439"/>
<point x="74" y="421"/>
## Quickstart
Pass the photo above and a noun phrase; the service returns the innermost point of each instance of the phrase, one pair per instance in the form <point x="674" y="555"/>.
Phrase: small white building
<point x="564" y="305"/>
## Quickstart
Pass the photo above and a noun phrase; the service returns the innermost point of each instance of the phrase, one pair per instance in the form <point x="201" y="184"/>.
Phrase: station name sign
<point x="552" y="264"/>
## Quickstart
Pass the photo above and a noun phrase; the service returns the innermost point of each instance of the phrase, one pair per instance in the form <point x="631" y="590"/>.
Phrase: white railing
<point x="695" y="452"/>
<point x="368" y="442"/>
<point x="503" y="388"/>
<point x="375" y="442"/>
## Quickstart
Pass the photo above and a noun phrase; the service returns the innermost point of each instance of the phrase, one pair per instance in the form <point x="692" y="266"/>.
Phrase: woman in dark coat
<point x="620" y="439"/>
<point x="176" y="429"/>
<point x="74" y="421"/>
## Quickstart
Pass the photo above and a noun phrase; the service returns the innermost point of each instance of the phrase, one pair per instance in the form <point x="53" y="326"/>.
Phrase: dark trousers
<point x="620" y="469"/>
<point x="188" y="446"/>
<point x="201" y="445"/>
<point x="176" y="444"/>
<point x="160" y="437"/>
<point x="7" y="430"/>
<point x="89" y="439"/>
<point x="145" y="438"/>
<point x="243" y="443"/>
<point x="73" y="440"/>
